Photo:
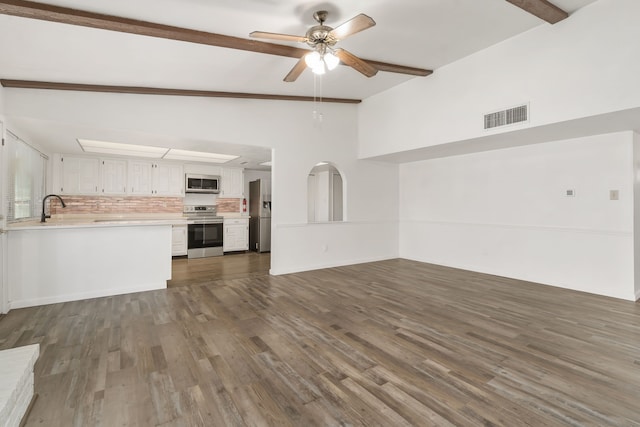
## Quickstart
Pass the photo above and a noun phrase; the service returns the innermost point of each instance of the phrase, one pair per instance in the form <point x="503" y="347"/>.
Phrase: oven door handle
<point x="206" y="222"/>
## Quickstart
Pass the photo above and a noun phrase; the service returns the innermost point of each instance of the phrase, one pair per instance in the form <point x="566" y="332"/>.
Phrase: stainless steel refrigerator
<point x="260" y="212"/>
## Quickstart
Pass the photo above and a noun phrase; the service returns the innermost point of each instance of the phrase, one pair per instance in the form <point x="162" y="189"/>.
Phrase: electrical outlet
<point x="614" y="194"/>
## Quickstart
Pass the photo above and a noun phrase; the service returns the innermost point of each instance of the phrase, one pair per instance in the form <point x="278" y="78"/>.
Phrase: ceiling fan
<point x="322" y="39"/>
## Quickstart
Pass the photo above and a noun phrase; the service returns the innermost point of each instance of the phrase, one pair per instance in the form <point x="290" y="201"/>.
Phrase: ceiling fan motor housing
<point x="320" y="34"/>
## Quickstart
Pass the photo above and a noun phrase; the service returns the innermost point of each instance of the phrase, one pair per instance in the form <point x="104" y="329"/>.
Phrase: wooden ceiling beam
<point x="139" y="90"/>
<point x="65" y="15"/>
<point x="542" y="9"/>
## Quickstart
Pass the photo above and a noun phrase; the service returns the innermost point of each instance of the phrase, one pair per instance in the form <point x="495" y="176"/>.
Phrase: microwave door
<point x="210" y="184"/>
<point x="194" y="183"/>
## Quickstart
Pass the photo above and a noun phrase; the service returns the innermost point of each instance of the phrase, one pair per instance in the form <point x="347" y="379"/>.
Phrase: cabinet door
<point x="114" y="176"/>
<point x="243" y="238"/>
<point x="232" y="185"/>
<point x="79" y="175"/>
<point x="168" y="179"/>
<point x="179" y="240"/>
<point x="236" y="235"/>
<point x="139" y="179"/>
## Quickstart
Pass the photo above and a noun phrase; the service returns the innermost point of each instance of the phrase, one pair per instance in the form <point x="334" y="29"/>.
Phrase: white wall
<point x="584" y="66"/>
<point x="4" y="295"/>
<point x="636" y="210"/>
<point x="298" y="143"/>
<point x="506" y="213"/>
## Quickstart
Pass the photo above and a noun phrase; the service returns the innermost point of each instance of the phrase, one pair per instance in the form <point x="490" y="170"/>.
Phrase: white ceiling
<point x="419" y="33"/>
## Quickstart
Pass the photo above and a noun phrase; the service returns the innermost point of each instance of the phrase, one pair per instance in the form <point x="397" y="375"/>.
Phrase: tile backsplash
<point x="228" y="205"/>
<point x="130" y="205"/>
<point x="116" y="205"/>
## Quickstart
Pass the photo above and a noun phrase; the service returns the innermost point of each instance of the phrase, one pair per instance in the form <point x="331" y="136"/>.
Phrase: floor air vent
<point x="506" y="117"/>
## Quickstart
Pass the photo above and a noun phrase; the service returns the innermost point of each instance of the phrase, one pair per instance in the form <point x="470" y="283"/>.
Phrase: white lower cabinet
<point x="236" y="234"/>
<point x="179" y="240"/>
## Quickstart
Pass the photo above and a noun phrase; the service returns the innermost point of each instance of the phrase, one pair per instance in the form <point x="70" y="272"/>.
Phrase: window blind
<point x="26" y="170"/>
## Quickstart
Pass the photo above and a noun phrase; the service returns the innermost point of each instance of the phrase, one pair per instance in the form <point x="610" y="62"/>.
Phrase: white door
<point x="4" y="297"/>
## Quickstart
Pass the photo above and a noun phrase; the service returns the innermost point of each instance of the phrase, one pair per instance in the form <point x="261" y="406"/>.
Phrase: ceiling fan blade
<point x="356" y="63"/>
<point x="296" y="71"/>
<point x="354" y="25"/>
<point x="277" y="36"/>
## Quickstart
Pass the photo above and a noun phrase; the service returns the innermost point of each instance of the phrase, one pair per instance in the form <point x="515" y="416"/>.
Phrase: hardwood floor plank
<point x="388" y="343"/>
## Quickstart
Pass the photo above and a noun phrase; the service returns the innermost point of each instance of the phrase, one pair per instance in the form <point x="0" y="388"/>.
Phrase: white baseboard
<point x="32" y="302"/>
<point x="482" y="270"/>
<point x="299" y="269"/>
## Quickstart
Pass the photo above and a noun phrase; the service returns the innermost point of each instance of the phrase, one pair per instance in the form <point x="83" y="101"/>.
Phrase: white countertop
<point x="234" y="215"/>
<point x="94" y="221"/>
<point x="127" y="220"/>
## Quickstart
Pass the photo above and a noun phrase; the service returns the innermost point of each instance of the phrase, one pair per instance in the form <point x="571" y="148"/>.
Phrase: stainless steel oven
<point x="204" y="231"/>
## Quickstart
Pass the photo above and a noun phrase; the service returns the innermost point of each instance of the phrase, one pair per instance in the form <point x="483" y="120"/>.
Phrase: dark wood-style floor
<point x="186" y="272"/>
<point x="390" y="343"/>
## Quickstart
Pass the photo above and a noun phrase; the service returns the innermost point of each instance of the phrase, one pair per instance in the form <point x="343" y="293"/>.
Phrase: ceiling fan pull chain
<point x="317" y="87"/>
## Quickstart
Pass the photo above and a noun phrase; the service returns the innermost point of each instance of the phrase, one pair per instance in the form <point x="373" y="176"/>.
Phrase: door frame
<point x="4" y="291"/>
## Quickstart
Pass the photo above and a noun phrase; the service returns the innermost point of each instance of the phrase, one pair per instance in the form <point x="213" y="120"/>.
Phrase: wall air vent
<point x="507" y="117"/>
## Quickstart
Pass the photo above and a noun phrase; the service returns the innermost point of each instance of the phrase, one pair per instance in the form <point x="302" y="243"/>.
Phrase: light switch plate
<point x="570" y="193"/>
<point x="614" y="195"/>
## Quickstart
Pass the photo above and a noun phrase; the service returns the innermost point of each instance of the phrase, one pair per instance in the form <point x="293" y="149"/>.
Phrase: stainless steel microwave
<point x="202" y="183"/>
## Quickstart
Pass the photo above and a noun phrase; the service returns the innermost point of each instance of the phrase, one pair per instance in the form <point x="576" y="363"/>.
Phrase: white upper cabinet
<point x="232" y="185"/>
<point x="79" y="175"/>
<point x="114" y="176"/>
<point x="168" y="179"/>
<point x="155" y="178"/>
<point x="139" y="181"/>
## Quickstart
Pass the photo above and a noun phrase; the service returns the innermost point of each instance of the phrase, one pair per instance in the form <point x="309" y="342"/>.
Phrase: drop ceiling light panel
<point x="116" y="148"/>
<point x="198" y="156"/>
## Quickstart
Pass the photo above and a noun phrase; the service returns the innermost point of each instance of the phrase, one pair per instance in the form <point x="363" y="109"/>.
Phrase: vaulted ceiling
<point x="70" y="42"/>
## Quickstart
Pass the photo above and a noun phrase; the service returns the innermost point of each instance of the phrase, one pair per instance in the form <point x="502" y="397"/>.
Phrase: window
<point x="26" y="169"/>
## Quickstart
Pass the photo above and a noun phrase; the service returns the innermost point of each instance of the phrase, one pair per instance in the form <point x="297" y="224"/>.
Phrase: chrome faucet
<point x="43" y="217"/>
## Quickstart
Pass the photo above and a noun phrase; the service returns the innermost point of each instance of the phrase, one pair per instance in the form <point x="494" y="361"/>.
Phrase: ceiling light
<point x="331" y="60"/>
<point x="198" y="156"/>
<point x="265" y="163"/>
<point x="313" y="59"/>
<point x="321" y="60"/>
<point x="116" y="148"/>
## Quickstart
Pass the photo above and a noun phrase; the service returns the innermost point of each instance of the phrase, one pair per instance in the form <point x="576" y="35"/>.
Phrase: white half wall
<point x="506" y="213"/>
<point x="583" y="67"/>
<point x="54" y="265"/>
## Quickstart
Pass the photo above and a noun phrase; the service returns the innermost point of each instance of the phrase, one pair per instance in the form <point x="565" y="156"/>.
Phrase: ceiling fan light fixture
<point x="313" y="59"/>
<point x="331" y="60"/>
<point x="319" y="69"/>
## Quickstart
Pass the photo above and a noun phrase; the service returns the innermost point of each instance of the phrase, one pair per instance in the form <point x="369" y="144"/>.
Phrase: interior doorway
<point x="4" y="293"/>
